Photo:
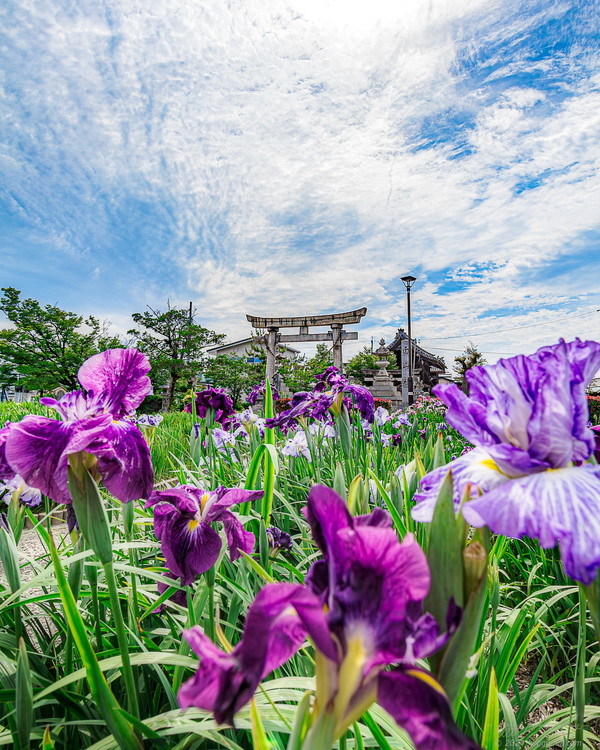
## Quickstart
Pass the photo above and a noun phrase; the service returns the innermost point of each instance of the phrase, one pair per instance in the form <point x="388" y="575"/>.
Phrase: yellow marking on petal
<point x="489" y="463"/>
<point x="204" y="500"/>
<point x="193" y="524"/>
<point x="350" y="675"/>
<point x="427" y="679"/>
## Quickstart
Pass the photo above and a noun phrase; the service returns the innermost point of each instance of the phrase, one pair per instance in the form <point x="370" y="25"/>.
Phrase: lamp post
<point x="408" y="281"/>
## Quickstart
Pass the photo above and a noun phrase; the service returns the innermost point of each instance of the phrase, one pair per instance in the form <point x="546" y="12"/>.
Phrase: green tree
<point x="175" y="346"/>
<point x="45" y="346"/>
<point x="299" y="373"/>
<point x="363" y="361"/>
<point x="235" y="374"/>
<point x="463" y="363"/>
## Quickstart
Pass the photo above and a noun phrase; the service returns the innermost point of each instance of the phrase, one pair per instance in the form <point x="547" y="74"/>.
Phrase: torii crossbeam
<point x="337" y="335"/>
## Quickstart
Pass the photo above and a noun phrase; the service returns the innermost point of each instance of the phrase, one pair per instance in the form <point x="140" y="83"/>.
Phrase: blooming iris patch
<point x="96" y="422"/>
<point x="332" y="391"/>
<point x="362" y="608"/>
<point x="215" y="399"/>
<point x="182" y="522"/>
<point x="527" y="417"/>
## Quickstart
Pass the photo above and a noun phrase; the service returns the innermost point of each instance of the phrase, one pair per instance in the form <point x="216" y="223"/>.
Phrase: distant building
<point x="427" y="368"/>
<point x="246" y="348"/>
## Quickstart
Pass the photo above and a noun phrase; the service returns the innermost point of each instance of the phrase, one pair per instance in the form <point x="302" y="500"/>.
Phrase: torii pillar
<point x="337" y="335"/>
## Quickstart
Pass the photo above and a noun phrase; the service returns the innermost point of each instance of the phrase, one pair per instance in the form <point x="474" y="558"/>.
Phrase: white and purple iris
<point x="183" y="518"/>
<point x="528" y="417"/>
<point x="297" y="446"/>
<point x="361" y="607"/>
<point x="96" y="421"/>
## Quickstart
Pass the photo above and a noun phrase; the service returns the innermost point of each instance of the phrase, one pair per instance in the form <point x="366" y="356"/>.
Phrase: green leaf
<point x="259" y="737"/>
<point x="491" y="725"/>
<point x="301" y="723"/>
<point x="445" y="556"/>
<point x="89" y="509"/>
<point x="257" y="567"/>
<point x="101" y="693"/>
<point x="24" y="698"/>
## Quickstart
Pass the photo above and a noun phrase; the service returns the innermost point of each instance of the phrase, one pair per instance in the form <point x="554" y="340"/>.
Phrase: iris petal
<point x="558" y="506"/>
<point x="419" y="705"/>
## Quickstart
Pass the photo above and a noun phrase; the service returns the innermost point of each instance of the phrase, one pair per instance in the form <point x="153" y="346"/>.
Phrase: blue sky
<point x="299" y="156"/>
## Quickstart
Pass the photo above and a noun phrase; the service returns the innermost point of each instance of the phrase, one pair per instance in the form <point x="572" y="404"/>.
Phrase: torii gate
<point x="337" y="335"/>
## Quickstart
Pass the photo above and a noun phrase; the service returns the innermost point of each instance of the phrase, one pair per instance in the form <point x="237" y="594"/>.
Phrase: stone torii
<point x="337" y="335"/>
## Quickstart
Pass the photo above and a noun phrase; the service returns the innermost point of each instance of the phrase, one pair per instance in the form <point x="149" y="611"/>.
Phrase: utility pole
<point x="408" y="281"/>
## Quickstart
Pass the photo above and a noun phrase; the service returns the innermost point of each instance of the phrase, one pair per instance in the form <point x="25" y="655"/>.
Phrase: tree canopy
<point x="469" y="358"/>
<point x="364" y="360"/>
<point x="45" y="346"/>
<point x="175" y="346"/>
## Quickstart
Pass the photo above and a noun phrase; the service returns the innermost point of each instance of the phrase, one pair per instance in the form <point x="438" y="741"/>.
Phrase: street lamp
<point x="408" y="281"/>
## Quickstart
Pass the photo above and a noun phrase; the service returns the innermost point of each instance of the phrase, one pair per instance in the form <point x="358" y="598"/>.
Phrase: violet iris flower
<point x="96" y="422"/>
<point x="259" y="390"/>
<point x="182" y="522"/>
<point x="215" y="399"/>
<point x="330" y="392"/>
<point x="362" y="609"/>
<point x="26" y="494"/>
<point x="527" y="417"/>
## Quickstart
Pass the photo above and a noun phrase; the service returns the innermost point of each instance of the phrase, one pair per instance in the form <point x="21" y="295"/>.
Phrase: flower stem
<point x="117" y="614"/>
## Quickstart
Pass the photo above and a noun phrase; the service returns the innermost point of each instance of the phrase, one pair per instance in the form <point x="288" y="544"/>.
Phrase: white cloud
<point x="274" y="147"/>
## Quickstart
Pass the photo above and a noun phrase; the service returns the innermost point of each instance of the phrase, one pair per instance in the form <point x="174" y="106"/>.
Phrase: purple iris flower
<point x="26" y="494"/>
<point x="527" y="417"/>
<point x="96" y="422"/>
<point x="182" y="522"/>
<point x="6" y="473"/>
<point x="362" y="609"/>
<point x="279" y="539"/>
<point x="258" y="391"/>
<point x="330" y="392"/>
<point x="215" y="399"/>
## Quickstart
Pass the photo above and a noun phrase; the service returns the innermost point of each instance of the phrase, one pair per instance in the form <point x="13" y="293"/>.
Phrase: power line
<point x="439" y="349"/>
<point x="502" y="330"/>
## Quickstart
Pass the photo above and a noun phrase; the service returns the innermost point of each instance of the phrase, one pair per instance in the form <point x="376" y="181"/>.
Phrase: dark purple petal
<point x="186" y="498"/>
<point x="38" y="448"/>
<point x="363" y="400"/>
<point x="215" y="399"/>
<point x="5" y="470"/>
<point x="559" y="506"/>
<point x="117" y="378"/>
<point x="419" y="705"/>
<point x="375" y="588"/>
<point x="124" y="460"/>
<point x="237" y="536"/>
<point x="276" y="626"/>
<point x="228" y="497"/>
<point x="326" y="513"/>
<point x="190" y="547"/>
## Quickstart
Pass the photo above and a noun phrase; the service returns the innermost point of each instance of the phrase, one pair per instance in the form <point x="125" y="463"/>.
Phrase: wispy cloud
<point x="300" y="156"/>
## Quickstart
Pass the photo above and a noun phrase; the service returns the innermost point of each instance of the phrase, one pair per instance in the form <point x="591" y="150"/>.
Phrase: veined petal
<point x="225" y="498"/>
<point x="190" y="547"/>
<point x="419" y="705"/>
<point x="276" y="626"/>
<point x="186" y="498"/>
<point x="38" y="448"/>
<point x="555" y="506"/>
<point x="375" y="589"/>
<point x="117" y="378"/>
<point x="475" y="470"/>
<point x="124" y="460"/>
<point x="5" y="470"/>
